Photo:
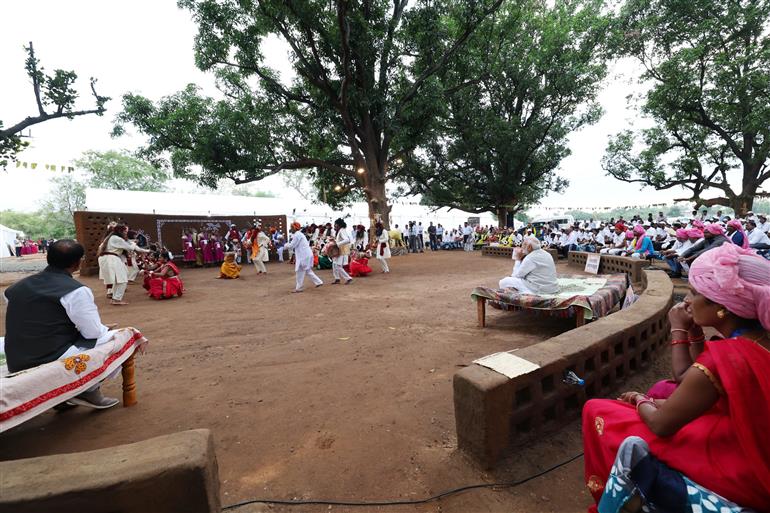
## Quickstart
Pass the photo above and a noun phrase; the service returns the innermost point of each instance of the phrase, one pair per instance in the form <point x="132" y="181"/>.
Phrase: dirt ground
<point x="342" y="392"/>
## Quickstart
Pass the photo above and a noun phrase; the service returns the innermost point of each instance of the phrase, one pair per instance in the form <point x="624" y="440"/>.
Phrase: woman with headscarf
<point x="165" y="282"/>
<point x="736" y="234"/>
<point x="382" y="251"/>
<point x="343" y="243"/>
<point x="705" y="447"/>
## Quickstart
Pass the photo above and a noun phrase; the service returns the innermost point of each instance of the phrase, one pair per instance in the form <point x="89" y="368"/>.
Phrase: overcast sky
<point x="145" y="46"/>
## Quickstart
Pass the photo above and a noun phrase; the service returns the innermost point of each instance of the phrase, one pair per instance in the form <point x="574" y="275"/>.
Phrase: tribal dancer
<point x="303" y="258"/>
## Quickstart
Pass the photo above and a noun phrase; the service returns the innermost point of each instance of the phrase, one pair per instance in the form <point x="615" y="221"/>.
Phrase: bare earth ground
<point x="342" y="392"/>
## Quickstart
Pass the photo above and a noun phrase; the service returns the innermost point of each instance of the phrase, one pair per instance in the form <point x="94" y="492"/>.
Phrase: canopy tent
<point x="302" y="211"/>
<point x="8" y="240"/>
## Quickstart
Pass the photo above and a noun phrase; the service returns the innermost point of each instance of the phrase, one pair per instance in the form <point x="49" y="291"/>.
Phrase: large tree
<point x="365" y="92"/>
<point x="121" y="171"/>
<point x="55" y="97"/>
<point x="504" y="135"/>
<point x="708" y="64"/>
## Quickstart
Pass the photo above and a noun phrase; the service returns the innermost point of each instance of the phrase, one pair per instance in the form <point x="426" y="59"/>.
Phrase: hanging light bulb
<point x="361" y="170"/>
<point x="337" y="188"/>
<point x="399" y="161"/>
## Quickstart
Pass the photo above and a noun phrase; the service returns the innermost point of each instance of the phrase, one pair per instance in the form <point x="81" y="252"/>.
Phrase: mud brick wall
<point x="494" y="414"/>
<point x="90" y="228"/>
<point x="505" y="251"/>
<point x="611" y="264"/>
<point x="170" y="473"/>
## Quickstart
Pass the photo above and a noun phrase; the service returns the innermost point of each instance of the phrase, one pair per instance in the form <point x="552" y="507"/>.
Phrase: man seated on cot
<point x="533" y="270"/>
<point x="52" y="316"/>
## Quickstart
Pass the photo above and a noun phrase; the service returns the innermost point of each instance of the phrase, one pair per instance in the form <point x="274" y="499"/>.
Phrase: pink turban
<point x="737" y="279"/>
<point x="697" y="223"/>
<point x="738" y="227"/>
<point x="695" y="233"/>
<point x="639" y="230"/>
<point x="629" y="234"/>
<point x="715" y="229"/>
<point x="681" y="233"/>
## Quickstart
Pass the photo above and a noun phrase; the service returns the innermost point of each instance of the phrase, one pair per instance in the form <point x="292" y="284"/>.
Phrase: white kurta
<point x="264" y="242"/>
<point x="383" y="238"/>
<point x="535" y="274"/>
<point x="303" y="256"/>
<point x="343" y="241"/>
<point x="112" y="269"/>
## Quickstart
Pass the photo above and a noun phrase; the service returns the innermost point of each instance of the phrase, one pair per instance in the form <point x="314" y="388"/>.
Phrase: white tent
<point x="7" y="240"/>
<point x="104" y="200"/>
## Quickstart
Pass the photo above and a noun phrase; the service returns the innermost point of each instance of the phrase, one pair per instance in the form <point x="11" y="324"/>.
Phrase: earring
<point x="721" y="314"/>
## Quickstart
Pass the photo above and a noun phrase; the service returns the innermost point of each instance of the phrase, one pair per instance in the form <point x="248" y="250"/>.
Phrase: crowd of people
<point x="23" y="246"/>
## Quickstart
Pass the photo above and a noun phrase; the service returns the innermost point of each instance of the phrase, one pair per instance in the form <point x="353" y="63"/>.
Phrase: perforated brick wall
<point x="611" y="264"/>
<point x="494" y="414"/>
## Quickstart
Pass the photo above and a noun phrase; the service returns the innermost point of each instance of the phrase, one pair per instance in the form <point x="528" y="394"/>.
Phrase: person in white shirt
<point x="468" y="240"/>
<point x="382" y="251"/>
<point x="762" y="223"/>
<point x="112" y="266"/>
<point x="303" y="259"/>
<point x="420" y="241"/>
<point x="671" y="256"/>
<point x="534" y="271"/>
<point x="757" y="238"/>
<point x="51" y="316"/>
<point x="568" y="241"/>
<point x="343" y="242"/>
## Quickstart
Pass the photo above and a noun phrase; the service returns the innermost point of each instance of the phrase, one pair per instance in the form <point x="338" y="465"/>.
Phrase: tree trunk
<point x="502" y="217"/>
<point x="742" y="204"/>
<point x="378" y="202"/>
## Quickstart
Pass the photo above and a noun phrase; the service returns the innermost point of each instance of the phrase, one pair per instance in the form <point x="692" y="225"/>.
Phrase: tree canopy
<point x="365" y="93"/>
<point x="121" y="171"/>
<point x="539" y="68"/>
<point x="708" y="63"/>
<point x="54" y="92"/>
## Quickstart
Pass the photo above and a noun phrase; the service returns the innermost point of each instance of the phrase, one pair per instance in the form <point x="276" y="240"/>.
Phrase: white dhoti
<point x="305" y="268"/>
<point x="511" y="282"/>
<point x="337" y="270"/>
<point x="114" y="272"/>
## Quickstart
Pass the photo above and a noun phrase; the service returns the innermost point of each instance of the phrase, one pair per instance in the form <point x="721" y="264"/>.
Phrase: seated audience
<point x="671" y="256"/>
<point x="705" y="447"/>
<point x="642" y="245"/>
<point x="51" y="316"/>
<point x="164" y="282"/>
<point x="713" y="237"/>
<point x="736" y="234"/>
<point x="533" y="270"/>
<point x="757" y="238"/>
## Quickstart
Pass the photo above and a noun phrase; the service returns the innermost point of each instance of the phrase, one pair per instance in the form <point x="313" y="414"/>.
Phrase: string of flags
<point x="47" y="167"/>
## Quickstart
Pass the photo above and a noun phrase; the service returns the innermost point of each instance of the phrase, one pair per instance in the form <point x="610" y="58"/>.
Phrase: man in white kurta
<point x="303" y="259"/>
<point x="382" y="251"/>
<point x="533" y="270"/>
<point x="112" y="268"/>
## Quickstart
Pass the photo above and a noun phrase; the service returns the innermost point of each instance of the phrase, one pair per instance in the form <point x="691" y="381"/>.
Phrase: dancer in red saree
<point x="705" y="448"/>
<point x="165" y="283"/>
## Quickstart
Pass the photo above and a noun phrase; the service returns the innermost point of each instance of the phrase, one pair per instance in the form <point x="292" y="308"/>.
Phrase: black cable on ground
<point x="453" y="491"/>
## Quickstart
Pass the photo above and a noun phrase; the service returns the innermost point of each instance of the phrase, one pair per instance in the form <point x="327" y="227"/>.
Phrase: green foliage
<point x="55" y="91"/>
<point x="121" y="171"/>
<point x="532" y="74"/>
<point x="366" y="92"/>
<point x="709" y="66"/>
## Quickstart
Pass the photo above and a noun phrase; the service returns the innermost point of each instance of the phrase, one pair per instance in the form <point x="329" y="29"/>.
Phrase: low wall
<point x="90" y="228"/>
<point x="165" y="474"/>
<point x="507" y="251"/>
<point x="494" y="413"/>
<point x="611" y="264"/>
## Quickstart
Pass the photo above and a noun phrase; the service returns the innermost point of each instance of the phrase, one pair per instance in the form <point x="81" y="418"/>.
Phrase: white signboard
<point x="592" y="263"/>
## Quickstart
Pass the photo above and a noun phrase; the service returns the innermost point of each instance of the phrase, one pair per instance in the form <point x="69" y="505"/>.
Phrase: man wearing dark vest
<point x="51" y="315"/>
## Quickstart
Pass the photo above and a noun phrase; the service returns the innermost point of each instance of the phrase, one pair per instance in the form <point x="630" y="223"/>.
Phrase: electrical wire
<point x="453" y="491"/>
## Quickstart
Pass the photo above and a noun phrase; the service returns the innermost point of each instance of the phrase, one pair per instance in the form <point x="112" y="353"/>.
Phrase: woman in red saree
<point x="165" y="283"/>
<point x="705" y="448"/>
